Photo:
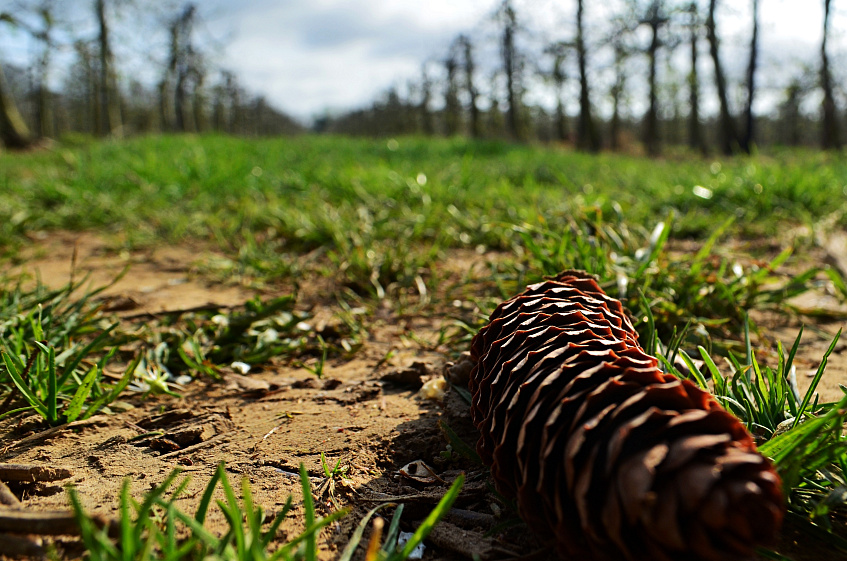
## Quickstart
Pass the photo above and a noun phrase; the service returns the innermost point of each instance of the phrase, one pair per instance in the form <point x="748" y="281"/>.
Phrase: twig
<point x="50" y="522"/>
<point x="193" y="447"/>
<point x="32" y="472"/>
<point x="51" y="431"/>
<point x="202" y="308"/>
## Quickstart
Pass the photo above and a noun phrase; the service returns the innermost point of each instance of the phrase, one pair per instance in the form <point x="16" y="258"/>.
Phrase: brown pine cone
<point x="607" y="456"/>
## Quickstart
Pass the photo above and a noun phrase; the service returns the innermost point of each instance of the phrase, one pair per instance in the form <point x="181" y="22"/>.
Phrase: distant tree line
<point x="639" y="78"/>
<point x="667" y="37"/>
<point x="97" y="98"/>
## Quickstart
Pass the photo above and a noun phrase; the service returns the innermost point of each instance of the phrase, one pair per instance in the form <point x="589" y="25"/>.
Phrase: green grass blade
<point x="52" y="385"/>
<point x="308" y="533"/>
<point x="309" y="508"/>
<point x="810" y="392"/>
<point x="84" y="352"/>
<point x="459" y="445"/>
<point x="695" y="372"/>
<point x="356" y="536"/>
<point x="437" y="514"/>
<point x="31" y="398"/>
<point x="277" y="521"/>
<point x="206" y="498"/>
<point x="74" y="408"/>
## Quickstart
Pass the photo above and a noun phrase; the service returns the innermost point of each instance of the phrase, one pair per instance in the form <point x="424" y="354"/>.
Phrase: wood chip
<point x="8" y="498"/>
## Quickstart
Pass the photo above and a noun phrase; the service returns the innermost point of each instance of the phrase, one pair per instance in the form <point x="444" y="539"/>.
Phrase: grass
<point x="56" y="344"/>
<point x="349" y="200"/>
<point x="157" y="529"/>
<point x="376" y="221"/>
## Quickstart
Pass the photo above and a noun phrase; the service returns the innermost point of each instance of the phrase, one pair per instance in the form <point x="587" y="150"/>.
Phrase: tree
<point x="13" y="130"/>
<point x="655" y="19"/>
<point x="43" y="33"/>
<point x="559" y="51"/>
<point x="469" y="66"/>
<point x="587" y="137"/>
<point x="110" y="103"/>
<point x="426" y="97"/>
<point x="81" y="88"/>
<point x="831" y="138"/>
<point x="452" y="107"/>
<point x="512" y="70"/>
<point x="790" y="117"/>
<point x="696" y="140"/>
<point x="728" y="132"/>
<point x="747" y="140"/>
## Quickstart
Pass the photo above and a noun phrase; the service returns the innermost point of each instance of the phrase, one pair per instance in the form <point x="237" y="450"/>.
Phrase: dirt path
<point x="365" y="411"/>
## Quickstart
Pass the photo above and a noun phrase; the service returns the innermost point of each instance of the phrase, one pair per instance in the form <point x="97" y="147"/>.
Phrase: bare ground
<point x="264" y="427"/>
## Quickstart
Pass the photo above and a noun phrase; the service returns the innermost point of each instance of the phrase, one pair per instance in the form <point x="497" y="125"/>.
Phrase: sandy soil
<point x="364" y="411"/>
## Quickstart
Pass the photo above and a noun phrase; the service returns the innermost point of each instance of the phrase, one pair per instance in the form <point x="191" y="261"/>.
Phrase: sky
<point x="308" y="57"/>
<point x="318" y="55"/>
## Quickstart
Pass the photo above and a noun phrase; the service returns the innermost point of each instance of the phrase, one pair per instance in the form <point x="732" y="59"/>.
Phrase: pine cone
<point x="607" y="456"/>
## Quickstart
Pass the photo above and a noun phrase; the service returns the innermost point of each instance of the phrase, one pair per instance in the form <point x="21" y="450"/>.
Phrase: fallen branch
<point x="21" y="546"/>
<point x="31" y="472"/>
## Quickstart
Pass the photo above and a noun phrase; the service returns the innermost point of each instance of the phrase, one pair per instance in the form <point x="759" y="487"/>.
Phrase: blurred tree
<point x="512" y="70"/>
<point x="110" y="103"/>
<point x="468" y="65"/>
<point x="790" y="116"/>
<point x="747" y="140"/>
<point x="184" y="77"/>
<point x="728" y="132"/>
<point x="559" y="51"/>
<point x="426" y="98"/>
<point x="452" y="107"/>
<point x="42" y="32"/>
<point x="620" y="39"/>
<point x="82" y="89"/>
<point x="831" y="135"/>
<point x="655" y="19"/>
<point x="13" y="130"/>
<point x="587" y="137"/>
<point x="495" y="122"/>
<point x="696" y="140"/>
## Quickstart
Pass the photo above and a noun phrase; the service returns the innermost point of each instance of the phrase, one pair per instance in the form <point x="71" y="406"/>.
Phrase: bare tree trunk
<point x="616" y="92"/>
<point x="587" y="136"/>
<point x="749" y="121"/>
<point x="426" y="97"/>
<point x="651" y="120"/>
<point x="110" y="106"/>
<point x="728" y="132"/>
<point x="831" y="138"/>
<point x="695" y="130"/>
<point x="473" y="94"/>
<point x="44" y="109"/>
<point x="13" y="130"/>
<point x="167" y="94"/>
<point x="559" y="79"/>
<point x="452" y="107"/>
<point x="510" y="65"/>
<point x="559" y="51"/>
<point x="198" y="101"/>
